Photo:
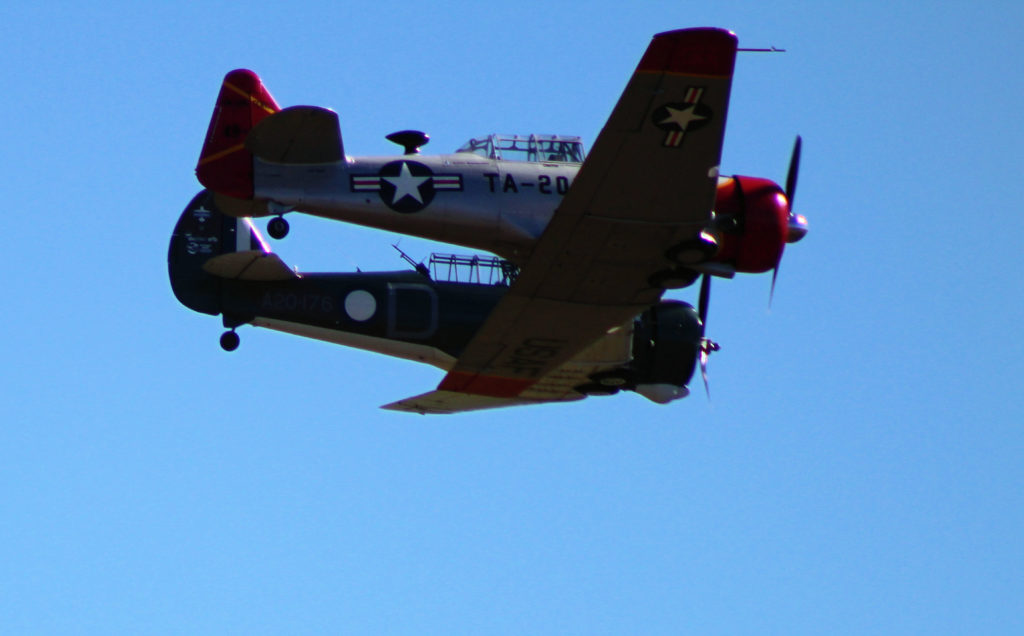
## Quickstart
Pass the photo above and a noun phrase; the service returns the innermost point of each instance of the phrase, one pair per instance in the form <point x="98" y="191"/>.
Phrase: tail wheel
<point x="229" y="341"/>
<point x="277" y="228"/>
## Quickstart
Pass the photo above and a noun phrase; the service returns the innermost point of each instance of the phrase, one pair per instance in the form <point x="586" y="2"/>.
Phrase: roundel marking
<point x="360" y="305"/>
<point x="406" y="186"/>
<point x="678" y="118"/>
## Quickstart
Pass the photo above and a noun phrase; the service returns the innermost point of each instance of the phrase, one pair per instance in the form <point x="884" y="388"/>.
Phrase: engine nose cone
<point x="796" y="228"/>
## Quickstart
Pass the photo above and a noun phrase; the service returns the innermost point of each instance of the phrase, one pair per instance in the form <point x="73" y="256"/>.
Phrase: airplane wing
<point x="648" y="184"/>
<point x="610" y="351"/>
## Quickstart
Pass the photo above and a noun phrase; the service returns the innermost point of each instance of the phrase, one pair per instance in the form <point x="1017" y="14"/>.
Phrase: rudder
<point x="202" y="234"/>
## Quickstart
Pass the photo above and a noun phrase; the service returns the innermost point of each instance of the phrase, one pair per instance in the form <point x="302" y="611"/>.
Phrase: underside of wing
<point x="447" y="402"/>
<point x="648" y="185"/>
<point x="560" y="385"/>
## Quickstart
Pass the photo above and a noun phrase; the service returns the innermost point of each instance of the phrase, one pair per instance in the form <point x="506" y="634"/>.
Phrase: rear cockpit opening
<point x="482" y="270"/>
<point x="535" y="148"/>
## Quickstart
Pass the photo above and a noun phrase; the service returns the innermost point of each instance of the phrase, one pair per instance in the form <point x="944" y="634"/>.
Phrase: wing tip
<point x="698" y="51"/>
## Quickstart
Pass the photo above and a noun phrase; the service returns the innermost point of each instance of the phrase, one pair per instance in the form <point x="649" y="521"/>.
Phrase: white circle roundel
<point x="360" y="305"/>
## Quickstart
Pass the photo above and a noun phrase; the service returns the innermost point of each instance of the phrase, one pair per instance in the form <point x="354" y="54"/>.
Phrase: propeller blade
<point x="706" y="346"/>
<point x="791" y="177"/>
<point x="702" y="303"/>
<point x="794" y="170"/>
<point x="704" y="370"/>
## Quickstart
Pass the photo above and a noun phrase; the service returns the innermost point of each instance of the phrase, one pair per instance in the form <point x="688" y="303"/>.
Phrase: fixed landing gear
<point x="277" y="228"/>
<point x="229" y="340"/>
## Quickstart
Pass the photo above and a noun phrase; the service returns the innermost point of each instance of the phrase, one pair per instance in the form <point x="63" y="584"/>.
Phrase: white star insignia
<point x="406" y="185"/>
<point x="682" y="118"/>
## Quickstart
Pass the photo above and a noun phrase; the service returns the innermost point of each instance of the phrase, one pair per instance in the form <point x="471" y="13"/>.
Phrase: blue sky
<point x="859" y="469"/>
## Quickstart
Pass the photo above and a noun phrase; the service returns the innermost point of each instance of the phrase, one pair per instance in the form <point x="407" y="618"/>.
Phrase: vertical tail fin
<point x="225" y="166"/>
<point x="208" y="247"/>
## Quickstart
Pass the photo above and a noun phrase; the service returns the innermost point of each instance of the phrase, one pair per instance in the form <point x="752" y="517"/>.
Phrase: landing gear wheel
<point x="229" y="341"/>
<point x="277" y="228"/>
<point x="596" y="389"/>
<point x="673" y="278"/>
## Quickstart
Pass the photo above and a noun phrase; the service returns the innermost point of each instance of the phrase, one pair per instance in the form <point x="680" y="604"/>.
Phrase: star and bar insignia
<point x="406" y="186"/>
<point x="676" y="119"/>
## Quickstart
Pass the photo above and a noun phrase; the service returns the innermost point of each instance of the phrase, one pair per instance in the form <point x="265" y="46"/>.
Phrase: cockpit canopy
<point x="558" y="148"/>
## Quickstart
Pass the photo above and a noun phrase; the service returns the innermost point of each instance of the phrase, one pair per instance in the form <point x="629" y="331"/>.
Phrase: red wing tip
<point x="700" y="51"/>
<point x="696" y="31"/>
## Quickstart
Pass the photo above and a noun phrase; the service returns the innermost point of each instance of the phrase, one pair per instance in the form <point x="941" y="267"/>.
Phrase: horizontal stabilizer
<point x="297" y="135"/>
<point x="252" y="265"/>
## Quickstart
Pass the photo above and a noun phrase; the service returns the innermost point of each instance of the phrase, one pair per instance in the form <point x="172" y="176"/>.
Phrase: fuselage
<point x="501" y="206"/>
<point x="495" y="205"/>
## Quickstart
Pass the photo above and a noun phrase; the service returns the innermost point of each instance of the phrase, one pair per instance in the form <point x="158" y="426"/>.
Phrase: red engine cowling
<point x="751" y="223"/>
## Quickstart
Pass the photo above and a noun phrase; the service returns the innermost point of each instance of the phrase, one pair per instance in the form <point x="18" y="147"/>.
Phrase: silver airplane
<point x="595" y="238"/>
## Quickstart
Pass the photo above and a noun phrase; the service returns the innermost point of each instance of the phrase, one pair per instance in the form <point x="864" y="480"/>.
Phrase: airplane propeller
<point x="797" y="224"/>
<point x="707" y="346"/>
<point x="794" y="169"/>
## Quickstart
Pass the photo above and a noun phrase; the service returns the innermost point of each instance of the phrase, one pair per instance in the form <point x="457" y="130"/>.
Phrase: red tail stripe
<point x="224" y="165"/>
